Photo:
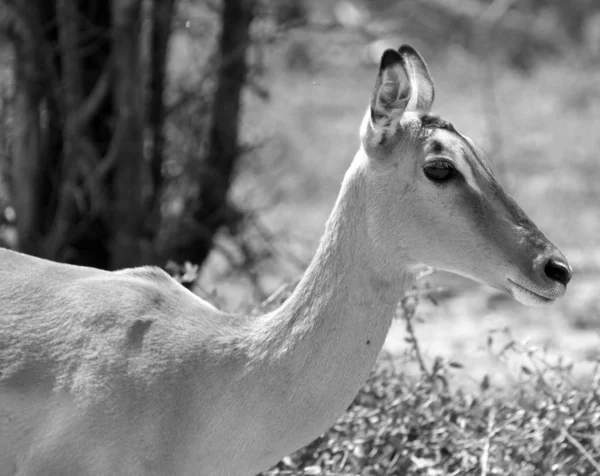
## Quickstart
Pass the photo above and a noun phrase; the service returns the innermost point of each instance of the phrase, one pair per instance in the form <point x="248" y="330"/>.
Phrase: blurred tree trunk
<point x="62" y="123"/>
<point x="162" y="15"/>
<point x="83" y="190"/>
<point x="72" y="95"/>
<point x="78" y="167"/>
<point x="212" y="210"/>
<point x="27" y="169"/>
<point x="128" y="245"/>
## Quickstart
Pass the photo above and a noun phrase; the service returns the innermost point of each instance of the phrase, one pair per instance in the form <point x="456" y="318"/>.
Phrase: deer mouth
<point x="526" y="295"/>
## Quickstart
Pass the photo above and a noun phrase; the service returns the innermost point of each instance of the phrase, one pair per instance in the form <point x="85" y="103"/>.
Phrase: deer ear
<point x="421" y="85"/>
<point x="392" y="91"/>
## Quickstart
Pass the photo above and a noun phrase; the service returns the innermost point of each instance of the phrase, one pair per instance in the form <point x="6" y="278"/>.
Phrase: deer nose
<point x="558" y="270"/>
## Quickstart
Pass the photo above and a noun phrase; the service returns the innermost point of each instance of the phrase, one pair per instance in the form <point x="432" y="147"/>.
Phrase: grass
<point x="406" y="425"/>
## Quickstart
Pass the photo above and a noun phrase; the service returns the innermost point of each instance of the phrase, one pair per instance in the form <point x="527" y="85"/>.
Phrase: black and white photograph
<point x="299" y="238"/>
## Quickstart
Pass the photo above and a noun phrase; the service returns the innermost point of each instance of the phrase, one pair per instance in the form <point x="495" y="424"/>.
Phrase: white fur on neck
<point x="317" y="350"/>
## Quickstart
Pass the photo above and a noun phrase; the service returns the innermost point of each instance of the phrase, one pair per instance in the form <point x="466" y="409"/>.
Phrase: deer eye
<point x="439" y="171"/>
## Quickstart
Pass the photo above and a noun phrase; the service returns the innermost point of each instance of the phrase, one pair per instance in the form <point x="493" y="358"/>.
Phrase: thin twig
<point x="485" y="455"/>
<point x="415" y="343"/>
<point x="90" y="106"/>
<point x="582" y="450"/>
<point x="275" y="295"/>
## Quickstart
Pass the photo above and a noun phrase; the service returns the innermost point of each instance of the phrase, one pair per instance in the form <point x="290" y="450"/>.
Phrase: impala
<point x="128" y="373"/>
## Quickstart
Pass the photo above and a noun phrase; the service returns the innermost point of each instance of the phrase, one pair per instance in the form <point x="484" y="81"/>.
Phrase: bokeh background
<point x="217" y="133"/>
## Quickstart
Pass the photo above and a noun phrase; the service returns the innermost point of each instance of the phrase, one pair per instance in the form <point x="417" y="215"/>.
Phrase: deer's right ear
<point x="391" y="94"/>
<point x="421" y="85"/>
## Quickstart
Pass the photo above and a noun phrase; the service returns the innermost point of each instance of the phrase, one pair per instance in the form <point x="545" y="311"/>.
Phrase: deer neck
<point x="325" y="339"/>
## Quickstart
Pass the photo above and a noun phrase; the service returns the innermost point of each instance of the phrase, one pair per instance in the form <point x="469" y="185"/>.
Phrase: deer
<point x="129" y="373"/>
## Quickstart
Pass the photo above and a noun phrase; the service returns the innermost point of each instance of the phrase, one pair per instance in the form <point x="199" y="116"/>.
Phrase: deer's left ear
<point x="403" y="85"/>
<point x="392" y="91"/>
<point x="421" y="85"/>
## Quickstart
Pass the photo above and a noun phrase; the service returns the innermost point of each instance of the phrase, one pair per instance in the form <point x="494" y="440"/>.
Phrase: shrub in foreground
<point x="407" y="425"/>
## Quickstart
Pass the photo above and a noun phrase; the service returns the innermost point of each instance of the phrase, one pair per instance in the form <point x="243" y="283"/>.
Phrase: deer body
<point x="128" y="373"/>
<point x="290" y="373"/>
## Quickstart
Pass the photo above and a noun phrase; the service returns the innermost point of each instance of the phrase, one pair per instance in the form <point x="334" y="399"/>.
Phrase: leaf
<point x="485" y="383"/>
<point x="526" y="370"/>
<point x="422" y="463"/>
<point x="313" y="470"/>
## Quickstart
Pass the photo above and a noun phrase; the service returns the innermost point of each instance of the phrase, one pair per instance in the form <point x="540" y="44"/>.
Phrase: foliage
<point x="416" y="424"/>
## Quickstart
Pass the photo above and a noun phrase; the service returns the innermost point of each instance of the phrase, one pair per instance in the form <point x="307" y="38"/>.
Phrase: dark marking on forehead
<point x="429" y="121"/>
<point x="436" y="147"/>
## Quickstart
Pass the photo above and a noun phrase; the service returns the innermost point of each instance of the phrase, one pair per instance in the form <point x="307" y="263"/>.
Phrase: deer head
<point x="433" y="198"/>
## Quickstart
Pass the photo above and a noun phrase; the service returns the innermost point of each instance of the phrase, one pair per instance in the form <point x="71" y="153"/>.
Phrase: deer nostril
<point x="558" y="271"/>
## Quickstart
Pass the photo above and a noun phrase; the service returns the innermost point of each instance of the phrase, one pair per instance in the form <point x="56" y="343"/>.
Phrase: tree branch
<point x="90" y="106"/>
